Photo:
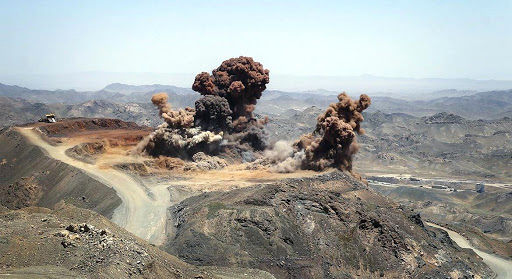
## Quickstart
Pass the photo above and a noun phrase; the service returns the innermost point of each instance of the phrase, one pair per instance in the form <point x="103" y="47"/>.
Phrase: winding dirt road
<point x="143" y="211"/>
<point x="502" y="267"/>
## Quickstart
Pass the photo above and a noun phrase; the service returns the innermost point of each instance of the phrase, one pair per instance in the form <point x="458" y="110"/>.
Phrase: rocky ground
<point x="488" y="228"/>
<point x="30" y="178"/>
<point x="330" y="226"/>
<point x="69" y="242"/>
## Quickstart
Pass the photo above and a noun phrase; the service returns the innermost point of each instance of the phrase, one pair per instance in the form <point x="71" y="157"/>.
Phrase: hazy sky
<point x="446" y="39"/>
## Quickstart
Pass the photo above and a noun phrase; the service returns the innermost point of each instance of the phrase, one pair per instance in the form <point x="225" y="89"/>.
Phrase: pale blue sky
<point x="445" y="39"/>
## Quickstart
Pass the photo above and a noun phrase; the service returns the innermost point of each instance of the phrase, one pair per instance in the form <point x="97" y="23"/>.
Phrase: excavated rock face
<point x="329" y="226"/>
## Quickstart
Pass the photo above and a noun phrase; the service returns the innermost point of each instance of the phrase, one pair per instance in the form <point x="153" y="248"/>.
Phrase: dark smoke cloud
<point x="333" y="143"/>
<point x="177" y="136"/>
<point x="240" y="80"/>
<point x="222" y="120"/>
<point x="213" y="114"/>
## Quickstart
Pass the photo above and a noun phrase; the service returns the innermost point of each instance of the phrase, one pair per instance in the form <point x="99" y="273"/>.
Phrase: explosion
<point x="230" y="96"/>
<point x="183" y="118"/>
<point x="222" y="121"/>
<point x="240" y="81"/>
<point x="333" y="143"/>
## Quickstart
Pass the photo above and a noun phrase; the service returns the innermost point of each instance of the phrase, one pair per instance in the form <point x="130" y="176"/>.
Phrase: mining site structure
<point x="48" y="118"/>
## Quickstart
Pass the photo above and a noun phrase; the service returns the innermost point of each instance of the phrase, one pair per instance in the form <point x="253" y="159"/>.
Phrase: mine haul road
<point x="501" y="266"/>
<point x="141" y="213"/>
<point x="144" y="214"/>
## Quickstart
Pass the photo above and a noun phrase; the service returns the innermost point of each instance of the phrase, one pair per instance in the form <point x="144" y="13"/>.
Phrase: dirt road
<point x="502" y="267"/>
<point x="143" y="211"/>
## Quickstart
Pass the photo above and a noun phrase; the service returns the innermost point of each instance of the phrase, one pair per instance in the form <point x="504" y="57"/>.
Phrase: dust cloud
<point x="222" y="121"/>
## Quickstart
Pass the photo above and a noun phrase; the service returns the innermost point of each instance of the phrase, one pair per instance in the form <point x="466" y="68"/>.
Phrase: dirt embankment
<point x="76" y="125"/>
<point x="143" y="208"/>
<point x="87" y="151"/>
<point x="29" y="177"/>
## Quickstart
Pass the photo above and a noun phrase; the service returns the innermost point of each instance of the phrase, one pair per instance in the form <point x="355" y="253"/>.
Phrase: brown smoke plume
<point x="183" y="118"/>
<point x="240" y="81"/>
<point x="222" y="120"/>
<point x="177" y="136"/>
<point x="333" y="143"/>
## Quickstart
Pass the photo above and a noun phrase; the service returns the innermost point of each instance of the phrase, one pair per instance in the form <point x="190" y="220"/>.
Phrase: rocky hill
<point x="329" y="226"/>
<point x="69" y="242"/>
<point x="19" y="111"/>
<point x="443" y="143"/>
<point x="30" y="178"/>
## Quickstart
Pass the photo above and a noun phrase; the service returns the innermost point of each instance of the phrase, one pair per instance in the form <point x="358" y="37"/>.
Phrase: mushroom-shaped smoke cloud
<point x="240" y="81"/>
<point x="222" y="120"/>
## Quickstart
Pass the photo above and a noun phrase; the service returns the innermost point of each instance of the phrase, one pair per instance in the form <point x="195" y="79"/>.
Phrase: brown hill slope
<point x="75" y="243"/>
<point x="329" y="226"/>
<point x="29" y="177"/>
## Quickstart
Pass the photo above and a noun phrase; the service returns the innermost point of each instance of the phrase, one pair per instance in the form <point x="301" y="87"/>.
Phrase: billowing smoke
<point x="222" y="120"/>
<point x="240" y="81"/>
<point x="177" y="137"/>
<point x="333" y="143"/>
<point x="223" y="123"/>
<point x="230" y="95"/>
<point x="213" y="114"/>
<point x="280" y="151"/>
<point x="282" y="157"/>
<point x="183" y="118"/>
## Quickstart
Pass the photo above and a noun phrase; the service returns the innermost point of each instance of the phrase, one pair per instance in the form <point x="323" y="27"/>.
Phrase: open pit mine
<point x="207" y="195"/>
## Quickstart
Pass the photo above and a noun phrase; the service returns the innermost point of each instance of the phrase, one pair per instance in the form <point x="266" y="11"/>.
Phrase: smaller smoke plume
<point x="333" y="143"/>
<point x="290" y="164"/>
<point x="282" y="157"/>
<point x="183" y="118"/>
<point x="280" y="151"/>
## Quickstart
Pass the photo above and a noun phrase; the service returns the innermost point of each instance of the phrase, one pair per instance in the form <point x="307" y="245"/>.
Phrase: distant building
<point x="480" y="188"/>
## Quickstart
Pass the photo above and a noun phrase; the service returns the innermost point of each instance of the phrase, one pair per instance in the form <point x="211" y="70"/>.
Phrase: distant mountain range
<point x="482" y="105"/>
<point x="115" y="93"/>
<point x="130" y="89"/>
<point x="372" y="84"/>
<point x="132" y="103"/>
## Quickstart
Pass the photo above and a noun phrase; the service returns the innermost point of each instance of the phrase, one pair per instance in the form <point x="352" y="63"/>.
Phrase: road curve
<point x="502" y="267"/>
<point x="141" y="213"/>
